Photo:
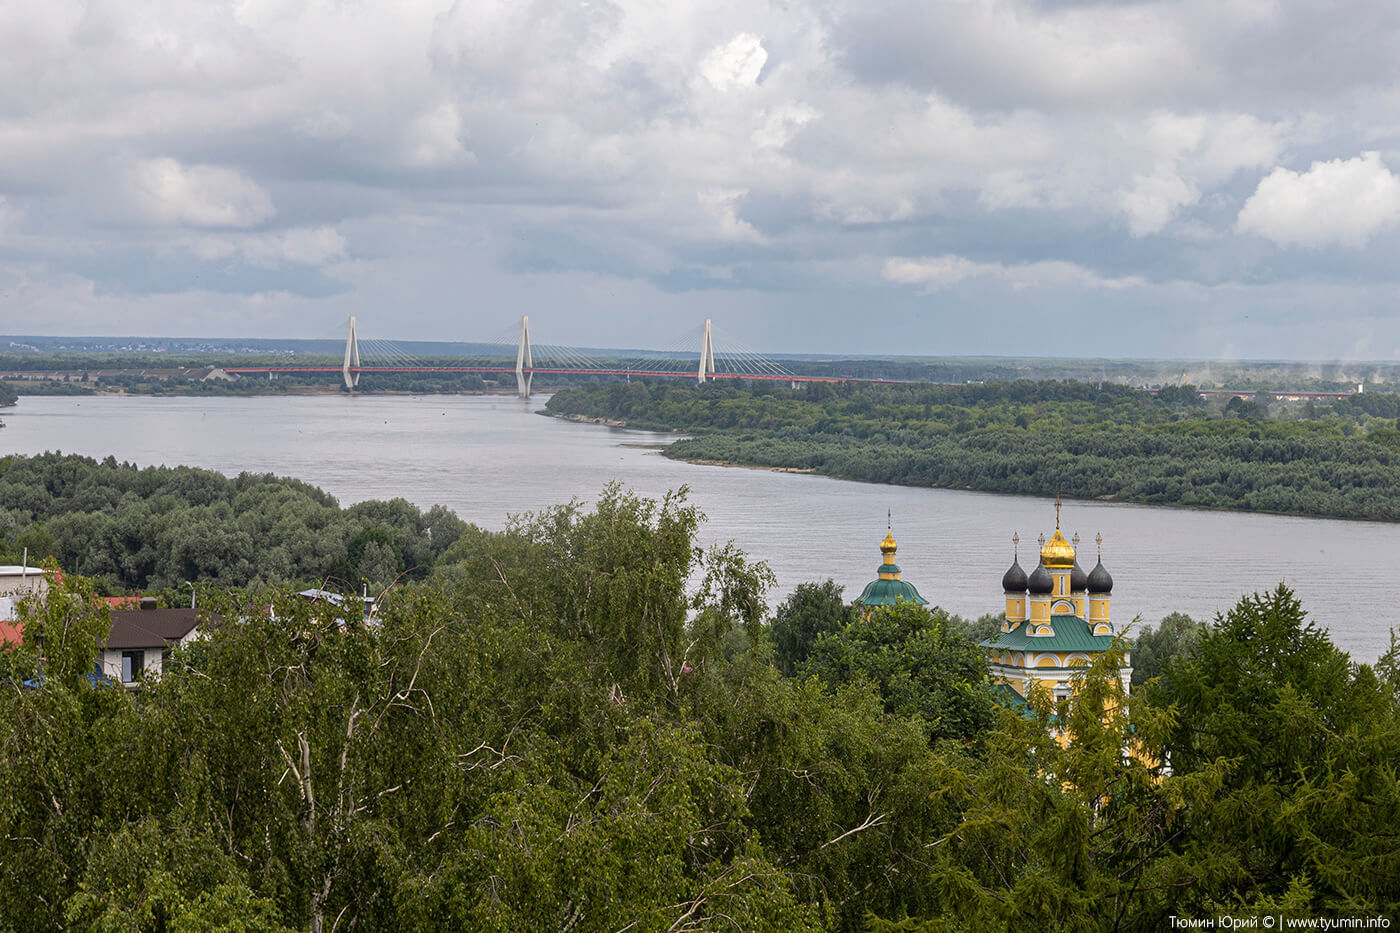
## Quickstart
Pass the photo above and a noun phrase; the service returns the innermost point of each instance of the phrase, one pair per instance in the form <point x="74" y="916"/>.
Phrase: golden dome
<point x="1057" y="554"/>
<point x="887" y="546"/>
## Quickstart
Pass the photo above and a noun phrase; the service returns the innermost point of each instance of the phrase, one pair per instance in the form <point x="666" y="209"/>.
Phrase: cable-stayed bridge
<point x="705" y="353"/>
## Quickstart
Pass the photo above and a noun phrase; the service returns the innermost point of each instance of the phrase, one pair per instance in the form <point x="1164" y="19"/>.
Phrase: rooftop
<point x="150" y="628"/>
<point x="1071" y="634"/>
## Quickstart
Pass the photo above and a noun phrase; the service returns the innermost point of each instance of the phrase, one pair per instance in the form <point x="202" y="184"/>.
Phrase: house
<point x="11" y="632"/>
<point x="20" y="580"/>
<point x="141" y="640"/>
<point x="16" y="582"/>
<point x="368" y="603"/>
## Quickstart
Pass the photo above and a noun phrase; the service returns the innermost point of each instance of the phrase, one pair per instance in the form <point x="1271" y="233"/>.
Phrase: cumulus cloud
<point x="201" y="195"/>
<point x="1189" y="152"/>
<point x="721" y="205"/>
<point x="1018" y="53"/>
<point x="935" y="272"/>
<point x="736" y="64"/>
<point x="1343" y="201"/>
<point x="1154" y="199"/>
<point x="437" y="137"/>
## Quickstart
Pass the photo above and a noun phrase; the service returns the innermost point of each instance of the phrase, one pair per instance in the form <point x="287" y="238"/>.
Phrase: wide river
<point x="487" y="457"/>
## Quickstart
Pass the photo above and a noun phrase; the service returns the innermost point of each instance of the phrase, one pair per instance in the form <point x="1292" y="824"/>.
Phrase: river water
<point x="487" y="457"/>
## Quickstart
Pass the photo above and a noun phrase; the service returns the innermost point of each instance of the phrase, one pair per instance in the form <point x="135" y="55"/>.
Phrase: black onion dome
<point x="1078" y="579"/>
<point x="1040" y="583"/>
<point x="1100" y="581"/>
<point x="1014" y="580"/>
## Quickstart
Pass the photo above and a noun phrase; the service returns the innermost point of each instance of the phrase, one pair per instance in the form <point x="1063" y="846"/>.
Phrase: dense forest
<point x="156" y="528"/>
<point x="586" y="723"/>
<point x="1338" y="459"/>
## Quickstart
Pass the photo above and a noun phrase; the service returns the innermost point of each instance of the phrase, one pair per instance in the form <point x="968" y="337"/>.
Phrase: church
<point x="887" y="588"/>
<point x="1058" y="618"/>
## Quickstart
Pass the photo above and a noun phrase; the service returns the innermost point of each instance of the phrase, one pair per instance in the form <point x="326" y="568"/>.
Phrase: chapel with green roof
<point x="887" y="588"/>
<point x="1057" y="620"/>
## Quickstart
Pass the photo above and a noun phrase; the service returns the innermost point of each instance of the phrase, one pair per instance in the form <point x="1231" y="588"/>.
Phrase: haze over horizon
<point x="1022" y="178"/>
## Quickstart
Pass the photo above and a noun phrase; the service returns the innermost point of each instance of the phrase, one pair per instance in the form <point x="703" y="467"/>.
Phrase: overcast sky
<point x="1210" y="178"/>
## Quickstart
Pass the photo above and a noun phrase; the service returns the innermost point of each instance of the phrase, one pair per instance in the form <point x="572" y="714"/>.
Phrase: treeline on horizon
<point x="137" y="382"/>
<point x="585" y="722"/>
<point x="1247" y="375"/>
<point x="1335" y="458"/>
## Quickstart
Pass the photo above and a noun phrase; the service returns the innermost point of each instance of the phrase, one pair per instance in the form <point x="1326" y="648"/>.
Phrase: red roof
<point x="11" y="635"/>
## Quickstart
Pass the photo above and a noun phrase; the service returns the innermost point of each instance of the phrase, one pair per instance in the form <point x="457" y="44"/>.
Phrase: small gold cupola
<point x="888" y="589"/>
<point x="889" y="570"/>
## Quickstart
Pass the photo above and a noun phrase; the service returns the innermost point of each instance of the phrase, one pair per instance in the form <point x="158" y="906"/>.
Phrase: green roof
<point x="1006" y="695"/>
<point x="1071" y="634"/>
<point x="889" y="592"/>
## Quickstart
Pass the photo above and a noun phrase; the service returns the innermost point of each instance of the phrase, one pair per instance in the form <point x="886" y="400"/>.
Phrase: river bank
<point x="488" y="458"/>
<point x="1104" y="443"/>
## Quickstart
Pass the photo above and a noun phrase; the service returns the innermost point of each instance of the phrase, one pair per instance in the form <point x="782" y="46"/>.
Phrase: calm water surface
<point x="489" y="456"/>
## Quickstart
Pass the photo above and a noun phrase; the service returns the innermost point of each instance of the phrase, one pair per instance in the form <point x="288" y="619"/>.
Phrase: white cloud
<point x="312" y="246"/>
<point x="1343" y="201"/>
<point x="935" y="272"/>
<point x="1154" y="199"/>
<point x="781" y="124"/>
<point x="1190" y="152"/>
<point x="438" y="137"/>
<point x="793" y="143"/>
<point x="201" y="195"/>
<point x="736" y="64"/>
<point x="722" y="206"/>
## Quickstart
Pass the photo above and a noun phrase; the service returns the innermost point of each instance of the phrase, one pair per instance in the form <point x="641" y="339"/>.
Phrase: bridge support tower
<point x="524" y="362"/>
<point x="707" y="356"/>
<point x="352" y="357"/>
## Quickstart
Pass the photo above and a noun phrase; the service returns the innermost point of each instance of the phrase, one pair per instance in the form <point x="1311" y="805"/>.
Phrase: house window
<point x="132" y="664"/>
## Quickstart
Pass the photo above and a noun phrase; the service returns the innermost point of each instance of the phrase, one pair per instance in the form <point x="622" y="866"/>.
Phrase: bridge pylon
<point x="707" y="356"/>
<point x="352" y="357"/>
<point x="524" y="362"/>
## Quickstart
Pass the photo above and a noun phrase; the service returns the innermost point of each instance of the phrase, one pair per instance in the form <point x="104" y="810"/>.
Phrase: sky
<point x="1207" y="178"/>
